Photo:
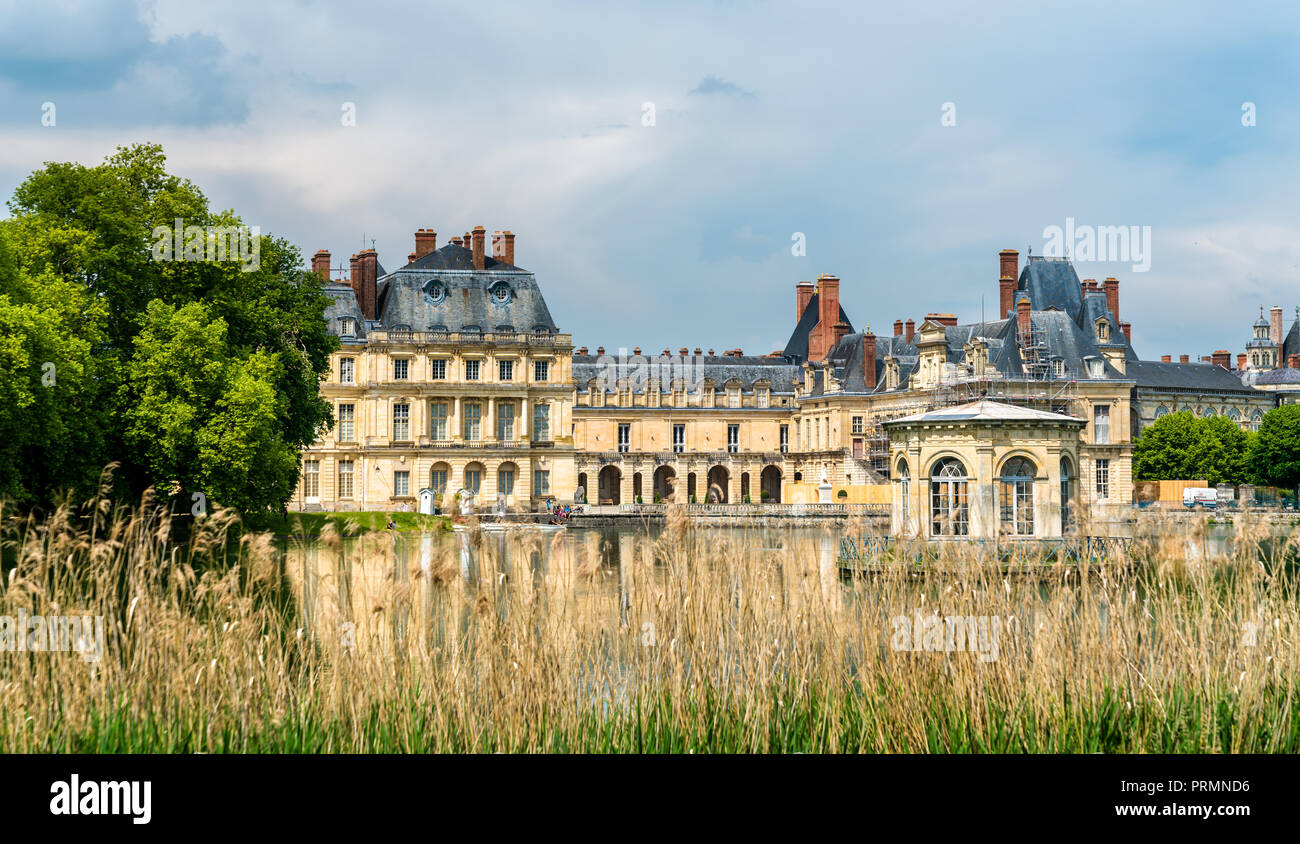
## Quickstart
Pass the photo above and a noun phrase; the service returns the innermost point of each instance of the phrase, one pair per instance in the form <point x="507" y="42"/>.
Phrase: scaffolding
<point x="1047" y="393"/>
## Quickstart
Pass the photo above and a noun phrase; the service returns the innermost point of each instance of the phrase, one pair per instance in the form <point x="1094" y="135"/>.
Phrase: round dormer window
<point x="435" y="292"/>
<point x="500" y="293"/>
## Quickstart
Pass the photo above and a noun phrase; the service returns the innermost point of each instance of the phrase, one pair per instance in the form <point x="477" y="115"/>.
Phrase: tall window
<point x="1101" y="424"/>
<point x="541" y="370"/>
<point x="347" y="370"/>
<point x="311" y="478"/>
<point x="733" y="438"/>
<point x="345" y="479"/>
<point x="733" y="397"/>
<point x="505" y="422"/>
<point x="401" y="369"/>
<point x="1103" y="479"/>
<point x="541" y="422"/>
<point x="438" y="370"/>
<point x="1018" y="497"/>
<point x="949" y="508"/>
<point x="438" y="480"/>
<point x="762" y="397"/>
<point x="506" y="481"/>
<point x="785" y="438"/>
<point x="679" y="437"/>
<point x="505" y="370"/>
<point x="624" y="437"/>
<point x="541" y="482"/>
<point x="473" y="480"/>
<point x="471" y="370"/>
<point x="401" y="422"/>
<point x="472" y="431"/>
<point x="1065" y="494"/>
<point x="347" y="428"/>
<point x="857" y="424"/>
<point x="438" y="420"/>
<point x="905" y="482"/>
<point x="401" y="482"/>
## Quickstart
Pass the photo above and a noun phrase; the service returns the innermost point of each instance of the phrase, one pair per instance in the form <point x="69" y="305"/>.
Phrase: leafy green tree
<point x="1275" y="453"/>
<point x="1180" y="446"/>
<point x="220" y="417"/>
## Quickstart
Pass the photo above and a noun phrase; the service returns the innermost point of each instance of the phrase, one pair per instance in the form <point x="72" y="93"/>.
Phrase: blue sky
<point x="770" y="119"/>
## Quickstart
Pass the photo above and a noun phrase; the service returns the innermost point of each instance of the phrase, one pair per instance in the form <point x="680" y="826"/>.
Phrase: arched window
<point x="905" y="484"/>
<point x="1018" y="497"/>
<point x="1162" y="411"/>
<point x="949" y="508"/>
<point x="1065" y="494"/>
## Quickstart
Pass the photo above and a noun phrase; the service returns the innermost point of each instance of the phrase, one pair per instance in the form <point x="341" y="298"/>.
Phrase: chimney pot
<point x="320" y="264"/>
<point x="1166" y="359"/>
<point x="426" y="241"/>
<point x="898" y="328"/>
<point x="480" y="236"/>
<point x="910" y="333"/>
<point x="1221" y="358"/>
<point x="1241" y="362"/>
<point x="600" y="350"/>
<point x="698" y="351"/>
<point x="1183" y="359"/>
<point x="637" y="351"/>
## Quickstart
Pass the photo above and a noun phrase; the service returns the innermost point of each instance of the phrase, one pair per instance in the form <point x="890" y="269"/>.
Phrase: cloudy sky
<point x="768" y="120"/>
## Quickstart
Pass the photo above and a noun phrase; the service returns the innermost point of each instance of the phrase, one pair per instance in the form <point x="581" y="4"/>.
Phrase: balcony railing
<point x="841" y="510"/>
<point x="450" y="338"/>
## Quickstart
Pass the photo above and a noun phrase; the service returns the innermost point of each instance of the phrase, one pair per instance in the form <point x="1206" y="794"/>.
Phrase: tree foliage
<point x="194" y="375"/>
<point x="1274" y="456"/>
<point x="1180" y="446"/>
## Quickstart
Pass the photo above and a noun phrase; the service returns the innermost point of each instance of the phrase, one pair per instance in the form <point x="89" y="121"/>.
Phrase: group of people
<point x="559" y="513"/>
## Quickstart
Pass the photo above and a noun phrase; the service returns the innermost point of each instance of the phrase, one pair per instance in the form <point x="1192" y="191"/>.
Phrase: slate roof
<point x="453" y="257"/>
<point x="984" y="410"/>
<point x="1276" y="377"/>
<point x="1051" y="281"/>
<point x="1184" y="376"/>
<point x="343" y="303"/>
<point x="797" y="346"/>
<point x="749" y="369"/>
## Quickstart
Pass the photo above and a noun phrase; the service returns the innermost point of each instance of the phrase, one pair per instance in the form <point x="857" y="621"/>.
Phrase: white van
<point x="1203" y="495"/>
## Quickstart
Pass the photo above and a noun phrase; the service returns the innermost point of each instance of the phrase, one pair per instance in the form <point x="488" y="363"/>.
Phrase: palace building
<point x="452" y="376"/>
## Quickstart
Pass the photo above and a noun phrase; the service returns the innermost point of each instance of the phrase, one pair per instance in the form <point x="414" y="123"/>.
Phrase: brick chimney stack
<point x="354" y="276"/>
<point x="1008" y="273"/>
<point x="426" y="241"/>
<point x="1183" y="359"/>
<point x="948" y="320"/>
<point x="828" y="313"/>
<point x="1022" y="319"/>
<point x="803" y="292"/>
<point x="1127" y="328"/>
<point x="510" y="247"/>
<point x="1222" y="358"/>
<point x="320" y="264"/>
<point x="455" y="240"/>
<point x="1112" y="296"/>
<point x="1293" y="361"/>
<point x="869" y="359"/>
<point x="498" y="245"/>
<point x="910" y="332"/>
<point x="367" y="298"/>
<point x="1275" y="325"/>
<point x="480" y="238"/>
<point x="837" y="333"/>
<point x="1166" y="359"/>
<point x="898" y="328"/>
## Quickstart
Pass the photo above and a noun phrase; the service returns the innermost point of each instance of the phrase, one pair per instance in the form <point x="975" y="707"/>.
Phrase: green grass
<point x="347" y="524"/>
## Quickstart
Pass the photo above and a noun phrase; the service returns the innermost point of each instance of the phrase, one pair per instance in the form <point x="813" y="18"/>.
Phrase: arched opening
<point x="1067" y="491"/>
<point x="665" y="480"/>
<point x="744" y="487"/>
<point x="770" y="485"/>
<point x="636" y="488"/>
<point x="439" y="477"/>
<point x="904" y="476"/>
<point x="610" y="479"/>
<point x="719" y="478"/>
<point x="1017" y="481"/>
<point x="473" y="478"/>
<point x="949" y="504"/>
<point x="690" y="487"/>
<point x="507" y="474"/>
<point x="580" y="494"/>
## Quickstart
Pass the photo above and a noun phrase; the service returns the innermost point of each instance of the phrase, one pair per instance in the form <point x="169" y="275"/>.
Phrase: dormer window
<point x="500" y="293"/>
<point x="1096" y="368"/>
<point x="348" y="327"/>
<point x="1103" y="331"/>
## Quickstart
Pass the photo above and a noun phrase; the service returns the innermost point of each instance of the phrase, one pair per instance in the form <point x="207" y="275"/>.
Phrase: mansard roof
<point x="780" y="374"/>
<point x="797" y="346"/>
